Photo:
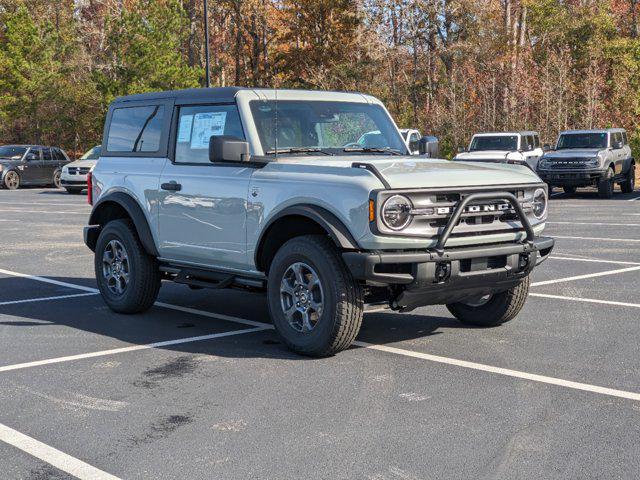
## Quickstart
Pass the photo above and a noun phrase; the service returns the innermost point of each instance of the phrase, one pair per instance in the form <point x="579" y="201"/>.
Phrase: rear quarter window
<point x="136" y="129"/>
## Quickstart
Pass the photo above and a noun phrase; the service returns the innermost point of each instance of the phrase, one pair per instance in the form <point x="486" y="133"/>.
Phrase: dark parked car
<point x="31" y="165"/>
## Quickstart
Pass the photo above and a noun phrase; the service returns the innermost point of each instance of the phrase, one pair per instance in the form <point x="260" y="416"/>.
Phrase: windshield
<point x="582" y="140"/>
<point x="306" y="127"/>
<point x="92" y="154"/>
<point x="498" y="142"/>
<point x="10" y="151"/>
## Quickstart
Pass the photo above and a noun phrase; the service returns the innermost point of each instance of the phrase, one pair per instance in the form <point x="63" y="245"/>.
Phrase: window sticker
<point x="184" y="130"/>
<point x="206" y="125"/>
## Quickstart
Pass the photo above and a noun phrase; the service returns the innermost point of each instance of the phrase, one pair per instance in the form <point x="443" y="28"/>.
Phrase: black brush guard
<point x="440" y="275"/>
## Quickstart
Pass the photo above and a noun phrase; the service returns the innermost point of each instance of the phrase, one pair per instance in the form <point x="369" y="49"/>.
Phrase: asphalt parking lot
<point x="199" y="387"/>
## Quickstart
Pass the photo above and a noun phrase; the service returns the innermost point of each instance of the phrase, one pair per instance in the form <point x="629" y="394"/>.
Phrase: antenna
<point x="206" y="44"/>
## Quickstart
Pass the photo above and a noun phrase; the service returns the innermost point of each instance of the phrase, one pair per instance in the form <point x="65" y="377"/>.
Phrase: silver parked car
<point x="584" y="158"/>
<point x="258" y="190"/>
<point x="74" y="174"/>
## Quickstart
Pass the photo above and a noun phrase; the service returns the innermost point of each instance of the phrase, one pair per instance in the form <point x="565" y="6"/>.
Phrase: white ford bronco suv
<point x="271" y="191"/>
<point x="584" y="158"/>
<point x="518" y="148"/>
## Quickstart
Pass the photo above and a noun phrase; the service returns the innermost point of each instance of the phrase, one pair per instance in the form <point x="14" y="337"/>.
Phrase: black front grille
<point x="78" y="170"/>
<point x="570" y="163"/>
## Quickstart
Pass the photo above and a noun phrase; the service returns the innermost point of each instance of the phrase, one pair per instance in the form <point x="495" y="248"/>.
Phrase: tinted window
<point x="57" y="154"/>
<point x="498" y="142"/>
<point x="136" y="129"/>
<point x="14" y="153"/>
<point x="582" y="140"/>
<point x="46" y="154"/>
<point x="536" y="141"/>
<point x="617" y="138"/>
<point x="335" y="127"/>
<point x="196" y="125"/>
<point x="624" y="138"/>
<point x="93" y="154"/>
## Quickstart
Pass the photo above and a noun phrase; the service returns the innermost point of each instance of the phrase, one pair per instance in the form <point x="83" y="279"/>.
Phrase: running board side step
<point x="200" y="278"/>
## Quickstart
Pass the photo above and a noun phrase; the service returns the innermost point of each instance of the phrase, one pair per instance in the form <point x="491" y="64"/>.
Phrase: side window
<point x="57" y="154"/>
<point x="136" y="129"/>
<point x="197" y="124"/>
<point x="536" y="141"/>
<point x="33" y="155"/>
<point x="46" y="154"/>
<point x="617" y="138"/>
<point x="625" y="140"/>
<point x="527" y="143"/>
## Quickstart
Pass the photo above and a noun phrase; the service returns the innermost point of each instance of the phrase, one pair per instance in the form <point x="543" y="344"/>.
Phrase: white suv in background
<point x="74" y="175"/>
<point x="507" y="147"/>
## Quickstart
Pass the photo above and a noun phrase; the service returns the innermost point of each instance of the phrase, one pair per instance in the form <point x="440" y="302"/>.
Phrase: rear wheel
<point x="315" y="303"/>
<point x="56" y="179"/>
<point x="569" y="190"/>
<point x="629" y="184"/>
<point x="12" y="180"/>
<point x="128" y="277"/>
<point x="605" y="185"/>
<point x="492" y="310"/>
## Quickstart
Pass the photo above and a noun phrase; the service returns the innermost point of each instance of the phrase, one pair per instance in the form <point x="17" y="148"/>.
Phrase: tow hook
<point x="443" y="271"/>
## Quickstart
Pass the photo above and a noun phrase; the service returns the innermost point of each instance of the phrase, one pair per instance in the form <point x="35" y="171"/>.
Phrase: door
<point x="618" y="151"/>
<point x="49" y="166"/>
<point x="31" y="170"/>
<point x="203" y="206"/>
<point x="529" y="151"/>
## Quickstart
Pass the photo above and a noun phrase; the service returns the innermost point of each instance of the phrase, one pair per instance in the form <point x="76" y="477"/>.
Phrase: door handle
<point x="172" y="186"/>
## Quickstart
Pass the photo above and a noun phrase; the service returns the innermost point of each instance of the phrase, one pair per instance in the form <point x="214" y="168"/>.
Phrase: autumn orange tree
<point x="448" y="67"/>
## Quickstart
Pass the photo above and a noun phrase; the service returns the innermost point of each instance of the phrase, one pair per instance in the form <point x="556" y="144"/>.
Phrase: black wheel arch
<point x="300" y="220"/>
<point x="121" y="205"/>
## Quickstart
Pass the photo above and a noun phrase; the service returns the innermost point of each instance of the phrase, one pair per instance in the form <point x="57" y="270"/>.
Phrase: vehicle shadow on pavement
<point x="90" y="314"/>
<point x="592" y="195"/>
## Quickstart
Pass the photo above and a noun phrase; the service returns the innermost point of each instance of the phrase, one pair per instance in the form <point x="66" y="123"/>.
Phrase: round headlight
<point x="540" y="203"/>
<point x="395" y="212"/>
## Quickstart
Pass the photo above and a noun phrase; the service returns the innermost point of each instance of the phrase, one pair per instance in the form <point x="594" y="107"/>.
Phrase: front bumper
<point x="432" y="278"/>
<point x="571" y="178"/>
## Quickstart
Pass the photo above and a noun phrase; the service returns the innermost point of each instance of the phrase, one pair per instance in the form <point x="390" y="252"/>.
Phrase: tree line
<point x="447" y="67"/>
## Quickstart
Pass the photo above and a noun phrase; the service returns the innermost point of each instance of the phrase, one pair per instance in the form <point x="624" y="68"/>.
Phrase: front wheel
<point x="315" y="303"/>
<point x="12" y="180"/>
<point x="128" y="278"/>
<point x="492" y="310"/>
<point x="605" y="185"/>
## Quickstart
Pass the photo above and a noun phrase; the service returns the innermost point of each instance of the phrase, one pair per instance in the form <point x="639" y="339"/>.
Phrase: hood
<point x="412" y="172"/>
<point x="573" y="152"/>
<point x="9" y="161"/>
<point x="490" y="155"/>
<point x="82" y="163"/>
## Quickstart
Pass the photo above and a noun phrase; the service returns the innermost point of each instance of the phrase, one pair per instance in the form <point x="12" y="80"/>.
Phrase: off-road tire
<point x="605" y="185"/>
<point x="501" y="307"/>
<point x="11" y="180"/>
<point x="629" y="184"/>
<point x="341" y="317"/>
<point x="74" y="191"/>
<point x="569" y="190"/>
<point x="144" y="275"/>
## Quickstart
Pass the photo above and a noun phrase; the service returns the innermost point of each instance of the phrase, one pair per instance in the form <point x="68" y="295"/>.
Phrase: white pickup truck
<point x="507" y="147"/>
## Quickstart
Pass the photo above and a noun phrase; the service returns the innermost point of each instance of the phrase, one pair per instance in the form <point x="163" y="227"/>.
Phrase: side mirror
<point x="429" y="146"/>
<point x="546" y="147"/>
<point x="461" y="149"/>
<point x="226" y="148"/>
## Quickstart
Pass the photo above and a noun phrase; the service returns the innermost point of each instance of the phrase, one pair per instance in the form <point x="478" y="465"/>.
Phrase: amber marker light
<point x="372" y="210"/>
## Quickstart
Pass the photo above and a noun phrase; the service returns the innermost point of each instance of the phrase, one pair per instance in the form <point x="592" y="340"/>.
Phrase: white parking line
<point x="48" y="280"/>
<point x="67" y="204"/>
<point x="45" y="299"/>
<point x="262" y="326"/>
<point x="131" y="348"/>
<point x="504" y="371"/>
<point x="52" y="456"/>
<point x="596" y="224"/>
<point x="589" y="275"/>
<point x="594" y="260"/>
<point x="600" y="238"/>
<point x="66" y="212"/>
<point x="585" y="300"/>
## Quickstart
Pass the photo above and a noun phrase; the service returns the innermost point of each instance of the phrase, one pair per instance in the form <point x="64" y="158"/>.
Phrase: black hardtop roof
<point x="219" y="94"/>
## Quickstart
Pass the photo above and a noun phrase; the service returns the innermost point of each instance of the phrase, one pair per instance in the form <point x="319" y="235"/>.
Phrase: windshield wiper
<point x="299" y="150"/>
<point x="392" y="151"/>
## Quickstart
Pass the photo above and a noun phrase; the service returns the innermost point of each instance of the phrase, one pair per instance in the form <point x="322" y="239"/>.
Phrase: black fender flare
<point x="100" y="216"/>
<point x="334" y="227"/>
